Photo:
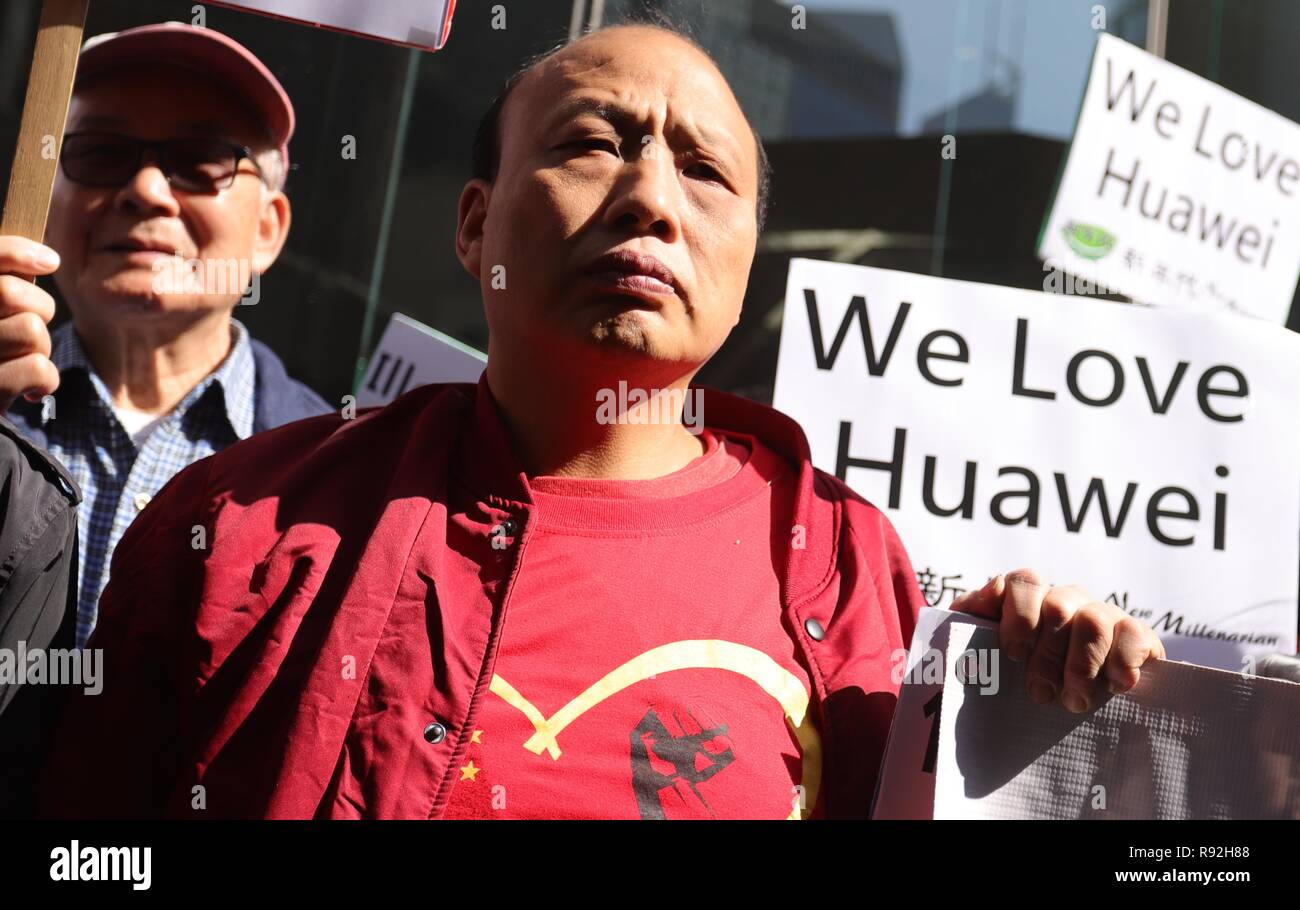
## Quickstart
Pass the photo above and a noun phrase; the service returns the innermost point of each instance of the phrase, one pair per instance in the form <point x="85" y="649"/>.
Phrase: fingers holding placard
<point x="25" y="311"/>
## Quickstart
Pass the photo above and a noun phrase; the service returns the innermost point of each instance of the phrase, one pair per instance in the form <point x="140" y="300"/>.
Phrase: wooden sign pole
<point x="45" y="111"/>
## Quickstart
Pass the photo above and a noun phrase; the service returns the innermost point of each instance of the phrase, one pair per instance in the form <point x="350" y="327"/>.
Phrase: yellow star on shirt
<point x="469" y="772"/>
<point x="476" y="737"/>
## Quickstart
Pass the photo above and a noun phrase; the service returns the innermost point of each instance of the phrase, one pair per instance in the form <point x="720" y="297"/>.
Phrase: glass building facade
<point x="853" y="107"/>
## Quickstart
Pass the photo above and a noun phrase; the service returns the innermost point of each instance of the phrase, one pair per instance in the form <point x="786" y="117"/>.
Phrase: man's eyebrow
<point x="576" y="107"/>
<point x="621" y="118"/>
<point x="719" y="139"/>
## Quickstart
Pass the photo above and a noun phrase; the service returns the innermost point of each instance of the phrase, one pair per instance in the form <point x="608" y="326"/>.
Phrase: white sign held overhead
<point x="1177" y="192"/>
<point x="414" y="23"/>
<point x="411" y="355"/>
<point x="1152" y="456"/>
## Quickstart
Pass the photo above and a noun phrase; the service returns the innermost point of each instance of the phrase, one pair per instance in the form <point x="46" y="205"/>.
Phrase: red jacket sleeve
<point x="902" y="579"/>
<point x="881" y="550"/>
<point x="114" y="753"/>
<point x="877" y="601"/>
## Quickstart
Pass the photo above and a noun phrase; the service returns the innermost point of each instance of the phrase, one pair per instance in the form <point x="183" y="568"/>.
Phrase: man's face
<point x="119" y="245"/>
<point x="629" y="141"/>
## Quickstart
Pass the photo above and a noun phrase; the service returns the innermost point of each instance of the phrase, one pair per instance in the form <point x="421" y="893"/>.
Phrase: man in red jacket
<point x="581" y="588"/>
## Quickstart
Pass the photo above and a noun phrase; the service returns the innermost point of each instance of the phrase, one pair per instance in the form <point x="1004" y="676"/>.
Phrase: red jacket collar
<point x="491" y="459"/>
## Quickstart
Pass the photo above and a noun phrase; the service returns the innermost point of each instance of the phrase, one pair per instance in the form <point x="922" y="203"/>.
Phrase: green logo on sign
<point x="1088" y="240"/>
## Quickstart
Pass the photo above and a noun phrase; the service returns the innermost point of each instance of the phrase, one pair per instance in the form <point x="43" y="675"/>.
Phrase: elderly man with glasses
<point x="168" y="206"/>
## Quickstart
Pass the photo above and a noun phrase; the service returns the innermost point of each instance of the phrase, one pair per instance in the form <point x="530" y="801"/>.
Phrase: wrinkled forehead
<point x="160" y="101"/>
<point x="652" y="72"/>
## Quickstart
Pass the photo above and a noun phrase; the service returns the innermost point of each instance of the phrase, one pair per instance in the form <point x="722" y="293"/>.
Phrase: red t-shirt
<point x="644" y="670"/>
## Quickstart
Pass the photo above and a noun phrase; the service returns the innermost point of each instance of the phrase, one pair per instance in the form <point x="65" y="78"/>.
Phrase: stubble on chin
<point x="623" y="331"/>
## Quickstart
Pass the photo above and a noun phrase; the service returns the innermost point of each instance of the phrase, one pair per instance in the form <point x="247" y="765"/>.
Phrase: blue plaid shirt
<point x="117" y="480"/>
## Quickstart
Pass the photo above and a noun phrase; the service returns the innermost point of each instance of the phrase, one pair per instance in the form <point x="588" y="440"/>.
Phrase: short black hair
<point x="487" y="139"/>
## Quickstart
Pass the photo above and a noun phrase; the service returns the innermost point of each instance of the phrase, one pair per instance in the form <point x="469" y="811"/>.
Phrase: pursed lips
<point x="639" y="273"/>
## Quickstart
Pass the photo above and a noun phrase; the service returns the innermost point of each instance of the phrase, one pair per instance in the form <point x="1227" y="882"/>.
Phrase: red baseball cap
<point x="203" y="50"/>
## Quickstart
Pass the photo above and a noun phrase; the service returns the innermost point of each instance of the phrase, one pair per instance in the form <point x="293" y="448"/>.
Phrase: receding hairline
<point x="535" y="66"/>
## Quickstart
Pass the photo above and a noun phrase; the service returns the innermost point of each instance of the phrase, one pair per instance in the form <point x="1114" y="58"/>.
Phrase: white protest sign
<point x="1185" y="743"/>
<point x="411" y="355"/>
<point x="414" y="23"/>
<point x="1150" y="455"/>
<point x="1177" y="191"/>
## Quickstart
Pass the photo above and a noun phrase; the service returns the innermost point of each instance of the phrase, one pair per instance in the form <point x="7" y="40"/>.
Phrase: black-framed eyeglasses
<point x="192" y="165"/>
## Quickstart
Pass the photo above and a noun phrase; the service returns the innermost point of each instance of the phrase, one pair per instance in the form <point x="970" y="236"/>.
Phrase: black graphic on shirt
<point x="668" y="765"/>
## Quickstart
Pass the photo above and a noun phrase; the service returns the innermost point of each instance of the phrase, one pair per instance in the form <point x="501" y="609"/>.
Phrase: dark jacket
<point x="277" y="399"/>
<point x="38" y="591"/>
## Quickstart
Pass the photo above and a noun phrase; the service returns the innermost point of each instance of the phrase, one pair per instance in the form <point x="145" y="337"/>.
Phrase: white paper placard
<point x="1150" y="455"/>
<point x="1177" y="191"/>
<point x="411" y="355"/>
<point x="414" y="23"/>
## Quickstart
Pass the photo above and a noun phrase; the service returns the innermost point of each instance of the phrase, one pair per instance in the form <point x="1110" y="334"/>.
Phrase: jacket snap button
<point x="435" y="733"/>
<point x="815" y="630"/>
<point x="510" y="527"/>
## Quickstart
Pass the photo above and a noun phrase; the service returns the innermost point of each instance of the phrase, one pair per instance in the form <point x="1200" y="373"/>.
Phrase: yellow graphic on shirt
<point x="699" y="654"/>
